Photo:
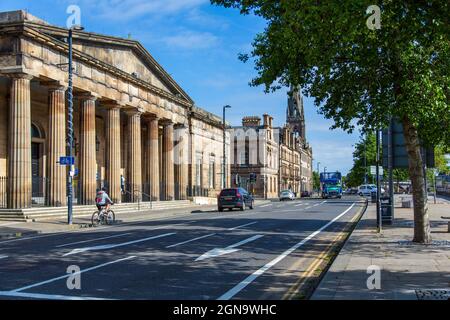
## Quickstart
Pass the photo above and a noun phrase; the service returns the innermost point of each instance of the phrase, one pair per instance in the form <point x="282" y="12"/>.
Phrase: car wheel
<point x="251" y="205"/>
<point x="220" y="209"/>
<point x="243" y="207"/>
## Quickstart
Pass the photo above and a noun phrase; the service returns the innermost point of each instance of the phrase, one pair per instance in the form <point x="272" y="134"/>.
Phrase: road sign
<point x="399" y="153"/>
<point x="67" y="161"/>
<point x="373" y="170"/>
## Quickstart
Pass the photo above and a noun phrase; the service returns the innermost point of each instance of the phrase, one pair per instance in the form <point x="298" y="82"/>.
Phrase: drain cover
<point x="433" y="294"/>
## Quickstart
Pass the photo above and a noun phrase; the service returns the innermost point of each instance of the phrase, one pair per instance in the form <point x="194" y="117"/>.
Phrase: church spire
<point x="295" y="114"/>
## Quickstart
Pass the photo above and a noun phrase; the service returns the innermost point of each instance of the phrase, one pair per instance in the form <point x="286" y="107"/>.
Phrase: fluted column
<point x="181" y="154"/>
<point x="56" y="195"/>
<point x="87" y="161"/>
<point x="113" y="152"/>
<point x="153" y="157"/>
<point x="169" y="190"/>
<point x="19" y="155"/>
<point x="135" y="163"/>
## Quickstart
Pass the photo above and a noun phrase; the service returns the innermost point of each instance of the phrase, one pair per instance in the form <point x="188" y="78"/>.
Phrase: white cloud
<point x="191" y="40"/>
<point x="126" y="10"/>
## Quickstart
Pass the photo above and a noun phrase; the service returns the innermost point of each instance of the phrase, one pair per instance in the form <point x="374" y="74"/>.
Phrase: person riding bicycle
<point x="102" y="199"/>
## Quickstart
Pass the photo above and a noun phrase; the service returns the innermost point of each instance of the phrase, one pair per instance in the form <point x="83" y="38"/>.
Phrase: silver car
<point x="287" y="195"/>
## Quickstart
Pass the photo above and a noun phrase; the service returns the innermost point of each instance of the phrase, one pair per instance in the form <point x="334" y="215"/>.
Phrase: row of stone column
<point x="19" y="158"/>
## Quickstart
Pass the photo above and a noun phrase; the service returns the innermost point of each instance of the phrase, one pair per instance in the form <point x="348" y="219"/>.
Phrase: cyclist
<point x="102" y="199"/>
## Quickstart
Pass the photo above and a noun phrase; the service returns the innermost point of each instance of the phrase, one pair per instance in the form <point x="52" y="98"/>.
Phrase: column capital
<point x="54" y="85"/>
<point x="166" y="122"/>
<point x="19" y="75"/>
<point x="150" y="117"/>
<point x="134" y="111"/>
<point x="87" y="96"/>
<point x="112" y="104"/>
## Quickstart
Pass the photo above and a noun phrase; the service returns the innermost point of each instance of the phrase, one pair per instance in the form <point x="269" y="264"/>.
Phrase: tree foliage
<point x="359" y="76"/>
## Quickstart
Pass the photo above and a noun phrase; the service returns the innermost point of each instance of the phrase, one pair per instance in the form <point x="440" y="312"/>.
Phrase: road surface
<point x="255" y="254"/>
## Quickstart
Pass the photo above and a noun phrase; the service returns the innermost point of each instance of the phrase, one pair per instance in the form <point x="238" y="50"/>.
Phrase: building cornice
<point x="36" y="32"/>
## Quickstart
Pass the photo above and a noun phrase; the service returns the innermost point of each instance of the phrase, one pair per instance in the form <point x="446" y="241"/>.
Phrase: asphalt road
<point x="256" y="254"/>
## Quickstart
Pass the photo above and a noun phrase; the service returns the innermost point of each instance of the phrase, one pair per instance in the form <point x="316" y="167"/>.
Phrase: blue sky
<point x="198" y="44"/>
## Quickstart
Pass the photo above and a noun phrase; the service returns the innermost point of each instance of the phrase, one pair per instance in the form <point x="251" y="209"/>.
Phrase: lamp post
<point x="318" y="172"/>
<point x="70" y="127"/>
<point x="224" y="149"/>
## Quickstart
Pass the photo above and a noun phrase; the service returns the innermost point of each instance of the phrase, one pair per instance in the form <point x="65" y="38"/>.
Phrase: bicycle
<point x="101" y="217"/>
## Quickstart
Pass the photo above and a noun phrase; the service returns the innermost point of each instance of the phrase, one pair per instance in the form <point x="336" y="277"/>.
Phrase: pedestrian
<point x="122" y="183"/>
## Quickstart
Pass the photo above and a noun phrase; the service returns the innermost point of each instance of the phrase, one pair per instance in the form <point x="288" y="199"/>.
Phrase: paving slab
<point x="404" y="266"/>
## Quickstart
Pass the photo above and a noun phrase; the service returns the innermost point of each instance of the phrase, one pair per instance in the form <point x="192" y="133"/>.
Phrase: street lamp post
<point x="318" y="172"/>
<point x="70" y="127"/>
<point x="224" y="149"/>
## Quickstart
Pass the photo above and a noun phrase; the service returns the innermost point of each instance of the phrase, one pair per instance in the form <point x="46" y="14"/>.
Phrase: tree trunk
<point x="422" y="232"/>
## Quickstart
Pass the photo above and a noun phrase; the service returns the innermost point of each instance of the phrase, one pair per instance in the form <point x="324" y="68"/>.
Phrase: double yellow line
<point x="312" y="268"/>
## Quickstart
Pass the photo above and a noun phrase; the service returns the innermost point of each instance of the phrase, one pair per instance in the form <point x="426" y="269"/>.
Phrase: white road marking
<point x="230" y="249"/>
<point x="266" y="205"/>
<point x="298" y="205"/>
<point x="45" y="296"/>
<point x="244" y="225"/>
<point x="188" y="241"/>
<point x="9" y="224"/>
<point x="72" y="274"/>
<point x="84" y="241"/>
<point x="308" y="207"/>
<point x="111" y="246"/>
<point x="240" y="286"/>
<point x="3" y="257"/>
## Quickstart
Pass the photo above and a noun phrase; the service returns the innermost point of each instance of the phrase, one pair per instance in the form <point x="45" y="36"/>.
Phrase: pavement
<point x="203" y="255"/>
<point x="407" y="271"/>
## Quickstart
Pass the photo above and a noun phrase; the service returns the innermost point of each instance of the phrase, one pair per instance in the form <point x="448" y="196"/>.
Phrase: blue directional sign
<point x="67" y="161"/>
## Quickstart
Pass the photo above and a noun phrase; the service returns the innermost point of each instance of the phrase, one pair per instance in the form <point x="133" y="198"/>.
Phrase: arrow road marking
<point x="72" y="274"/>
<point x="84" y="241"/>
<point x="111" y="246"/>
<point x="244" y="225"/>
<point x="188" y="241"/>
<point x="230" y="249"/>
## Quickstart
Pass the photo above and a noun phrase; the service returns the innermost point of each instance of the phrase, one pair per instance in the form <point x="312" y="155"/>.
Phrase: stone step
<point x="43" y="213"/>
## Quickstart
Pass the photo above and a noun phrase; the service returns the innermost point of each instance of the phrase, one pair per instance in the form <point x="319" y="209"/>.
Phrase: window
<point x="212" y="172"/>
<point x="198" y="171"/>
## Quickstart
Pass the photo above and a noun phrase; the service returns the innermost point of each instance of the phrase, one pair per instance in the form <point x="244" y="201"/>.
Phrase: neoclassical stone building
<point x="136" y="131"/>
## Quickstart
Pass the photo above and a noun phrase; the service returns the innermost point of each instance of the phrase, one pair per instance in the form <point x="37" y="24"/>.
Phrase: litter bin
<point x="386" y="210"/>
<point x="373" y="195"/>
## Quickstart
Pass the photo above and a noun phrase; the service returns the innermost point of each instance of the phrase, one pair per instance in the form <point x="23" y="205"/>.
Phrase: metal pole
<point x="378" y="180"/>
<point x="365" y="160"/>
<point x="224" y="149"/>
<point x="70" y="135"/>
<point x="390" y="151"/>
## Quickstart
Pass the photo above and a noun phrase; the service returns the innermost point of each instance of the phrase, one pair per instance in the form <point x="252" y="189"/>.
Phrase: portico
<point x="133" y="124"/>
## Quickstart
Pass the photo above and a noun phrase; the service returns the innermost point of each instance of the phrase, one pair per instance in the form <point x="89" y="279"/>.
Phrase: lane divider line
<point x="3" y="257"/>
<point x="244" y="225"/>
<point x="192" y="240"/>
<point x="72" y="274"/>
<point x="112" y="246"/>
<point x="91" y="240"/>
<point x="45" y="296"/>
<point x="240" y="286"/>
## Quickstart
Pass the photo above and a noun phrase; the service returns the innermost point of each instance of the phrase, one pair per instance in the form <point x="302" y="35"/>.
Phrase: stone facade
<point x="268" y="160"/>
<point x="255" y="157"/>
<point x="135" y="130"/>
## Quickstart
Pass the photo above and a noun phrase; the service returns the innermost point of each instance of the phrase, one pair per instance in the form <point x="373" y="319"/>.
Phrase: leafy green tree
<point x="364" y="156"/>
<point x="359" y="75"/>
<point x="316" y="180"/>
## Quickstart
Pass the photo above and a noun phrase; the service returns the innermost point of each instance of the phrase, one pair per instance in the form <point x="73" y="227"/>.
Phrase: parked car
<point x="235" y="198"/>
<point x="287" y="195"/>
<point x="368" y="189"/>
<point x="305" y="194"/>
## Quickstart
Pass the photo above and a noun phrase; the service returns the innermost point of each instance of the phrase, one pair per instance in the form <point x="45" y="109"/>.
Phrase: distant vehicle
<point x="351" y="191"/>
<point x="305" y="194"/>
<point x="287" y="195"/>
<point x="235" y="198"/>
<point x="368" y="189"/>
<point x="331" y="184"/>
